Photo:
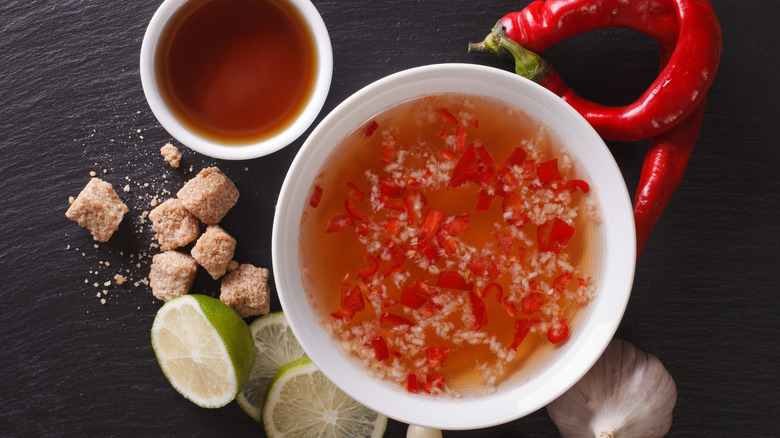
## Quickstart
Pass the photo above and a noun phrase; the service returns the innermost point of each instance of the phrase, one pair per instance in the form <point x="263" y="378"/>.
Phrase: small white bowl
<point x="613" y="266"/>
<point x="231" y="151"/>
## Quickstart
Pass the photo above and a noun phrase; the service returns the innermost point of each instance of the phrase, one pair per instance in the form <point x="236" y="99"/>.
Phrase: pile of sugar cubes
<point x="206" y="198"/>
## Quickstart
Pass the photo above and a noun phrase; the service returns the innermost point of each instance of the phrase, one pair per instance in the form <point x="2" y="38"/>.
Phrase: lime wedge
<point x="275" y="346"/>
<point x="204" y="349"/>
<point x="302" y="402"/>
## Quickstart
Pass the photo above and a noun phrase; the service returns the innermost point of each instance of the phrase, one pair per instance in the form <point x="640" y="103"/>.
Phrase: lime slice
<point x="204" y="349"/>
<point x="275" y="346"/>
<point x="302" y="402"/>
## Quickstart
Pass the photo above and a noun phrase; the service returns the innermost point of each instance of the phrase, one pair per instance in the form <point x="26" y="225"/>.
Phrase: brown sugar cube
<point x="246" y="291"/>
<point x="98" y="209"/>
<point x="172" y="274"/>
<point x="214" y="250"/>
<point x="173" y="224"/>
<point x="209" y="195"/>
<point x="171" y="154"/>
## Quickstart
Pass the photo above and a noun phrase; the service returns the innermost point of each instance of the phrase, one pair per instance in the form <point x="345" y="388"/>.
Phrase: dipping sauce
<point x="446" y="242"/>
<point x="236" y="71"/>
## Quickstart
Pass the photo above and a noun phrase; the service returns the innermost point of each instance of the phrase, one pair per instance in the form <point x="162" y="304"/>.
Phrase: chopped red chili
<point x="414" y="201"/>
<point x="466" y="169"/>
<point x="453" y="280"/>
<point x="395" y="320"/>
<point x="522" y="327"/>
<point x="431" y="222"/>
<point x="478" y="310"/>
<point x="338" y="223"/>
<point x="455" y="225"/>
<point x="355" y="192"/>
<point x="411" y="383"/>
<point x="437" y="356"/>
<point x="373" y="266"/>
<point x="558" y="333"/>
<point x="548" y="171"/>
<point x="316" y="197"/>
<point x="352" y="210"/>
<point x="448" y="117"/>
<point x="380" y="348"/>
<point x="370" y="128"/>
<point x="412" y="298"/>
<point x="532" y="303"/>
<point x="390" y="187"/>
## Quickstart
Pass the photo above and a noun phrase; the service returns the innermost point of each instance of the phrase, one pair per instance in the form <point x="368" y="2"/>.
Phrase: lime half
<point x="275" y="346"/>
<point x="302" y="402"/>
<point x="204" y="349"/>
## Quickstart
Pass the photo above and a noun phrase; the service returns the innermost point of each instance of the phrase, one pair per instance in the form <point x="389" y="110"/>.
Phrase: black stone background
<point x="705" y="296"/>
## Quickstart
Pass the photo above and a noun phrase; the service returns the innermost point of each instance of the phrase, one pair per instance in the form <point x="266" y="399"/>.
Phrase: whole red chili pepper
<point x="542" y="24"/>
<point x="676" y="92"/>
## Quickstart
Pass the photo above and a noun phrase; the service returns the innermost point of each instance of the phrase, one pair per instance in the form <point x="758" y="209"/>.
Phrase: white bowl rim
<point x="572" y="360"/>
<point x="213" y="148"/>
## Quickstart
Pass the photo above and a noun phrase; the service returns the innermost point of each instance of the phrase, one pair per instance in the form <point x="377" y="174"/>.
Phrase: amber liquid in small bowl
<point x="236" y="71"/>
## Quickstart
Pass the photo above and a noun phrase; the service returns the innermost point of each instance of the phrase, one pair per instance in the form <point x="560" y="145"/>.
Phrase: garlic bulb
<point x="422" y="432"/>
<point x="628" y="393"/>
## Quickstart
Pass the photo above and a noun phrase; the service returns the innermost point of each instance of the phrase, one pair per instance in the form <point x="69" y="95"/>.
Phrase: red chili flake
<point x="355" y="192"/>
<point x="531" y="303"/>
<point x="392" y="225"/>
<point x="424" y="288"/>
<point x="338" y="223"/>
<point x="392" y="205"/>
<point x="447" y="117"/>
<point x="522" y="327"/>
<point x="448" y="243"/>
<point x="437" y="356"/>
<point x="548" y="171"/>
<point x="428" y="250"/>
<point x="577" y="184"/>
<point x="362" y="229"/>
<point x="484" y="156"/>
<point x="414" y="201"/>
<point x="453" y="280"/>
<point x="343" y="314"/>
<point x="516" y="158"/>
<point x="411" y="298"/>
<point x="493" y="271"/>
<point x="387" y="151"/>
<point x="448" y="154"/>
<point x="510" y="308"/>
<point x="558" y="333"/>
<point x="541" y="235"/>
<point x="372" y="267"/>
<point x="560" y="282"/>
<point x="505" y="241"/>
<point x="443" y="134"/>
<point x="396" y="252"/>
<point x="395" y="353"/>
<point x="478" y="311"/>
<point x="484" y="200"/>
<point x="370" y="128"/>
<point x="380" y="348"/>
<point x="431" y="222"/>
<point x="390" y="187"/>
<point x="460" y="139"/>
<point x="477" y="266"/>
<point x="497" y="287"/>
<point x="390" y="270"/>
<point x="529" y="170"/>
<point x="455" y="225"/>
<point x="411" y="383"/>
<point x="474" y="123"/>
<point x="433" y="383"/>
<point x="352" y="209"/>
<point x="316" y="197"/>
<point x="560" y="234"/>
<point x="466" y="169"/>
<point x="354" y="300"/>
<point x="513" y="213"/>
<point x="395" y="320"/>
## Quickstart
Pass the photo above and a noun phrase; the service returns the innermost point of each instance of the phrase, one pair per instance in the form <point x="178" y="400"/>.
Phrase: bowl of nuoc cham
<point x="454" y="246"/>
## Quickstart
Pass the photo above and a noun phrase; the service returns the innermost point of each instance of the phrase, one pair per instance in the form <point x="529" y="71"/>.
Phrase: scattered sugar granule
<point x="173" y="224"/>
<point x="120" y="279"/>
<point x="246" y="291"/>
<point x="102" y="301"/>
<point x="171" y="275"/>
<point x="214" y="250"/>
<point x="98" y="209"/>
<point x="209" y="195"/>
<point x="171" y="154"/>
<point x="92" y="173"/>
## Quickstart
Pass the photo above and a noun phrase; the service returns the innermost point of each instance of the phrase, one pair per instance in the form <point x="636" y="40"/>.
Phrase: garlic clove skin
<point x="422" y="432"/>
<point x="628" y="393"/>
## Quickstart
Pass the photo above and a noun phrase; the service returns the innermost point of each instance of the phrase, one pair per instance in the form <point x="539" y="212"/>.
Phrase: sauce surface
<point x="237" y="71"/>
<point x="444" y="244"/>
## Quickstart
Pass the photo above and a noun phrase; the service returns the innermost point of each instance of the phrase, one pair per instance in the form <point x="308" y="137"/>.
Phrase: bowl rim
<point x="213" y="148"/>
<point x="572" y="360"/>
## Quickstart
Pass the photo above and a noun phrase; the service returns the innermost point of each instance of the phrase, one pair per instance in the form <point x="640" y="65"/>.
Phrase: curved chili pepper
<point x="663" y="169"/>
<point x="676" y="92"/>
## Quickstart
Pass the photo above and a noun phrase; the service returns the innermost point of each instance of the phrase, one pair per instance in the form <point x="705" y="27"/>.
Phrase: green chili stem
<point x="527" y="63"/>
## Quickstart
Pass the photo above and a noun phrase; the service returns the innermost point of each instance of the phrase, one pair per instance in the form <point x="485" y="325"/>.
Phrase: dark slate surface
<point x="705" y="297"/>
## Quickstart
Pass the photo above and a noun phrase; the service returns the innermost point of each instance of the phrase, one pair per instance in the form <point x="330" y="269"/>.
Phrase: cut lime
<point x="275" y="346"/>
<point x="204" y="349"/>
<point x="302" y="402"/>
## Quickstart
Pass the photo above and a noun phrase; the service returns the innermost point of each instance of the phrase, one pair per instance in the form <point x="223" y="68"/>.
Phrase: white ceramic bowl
<point x="211" y="147"/>
<point x="613" y="267"/>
